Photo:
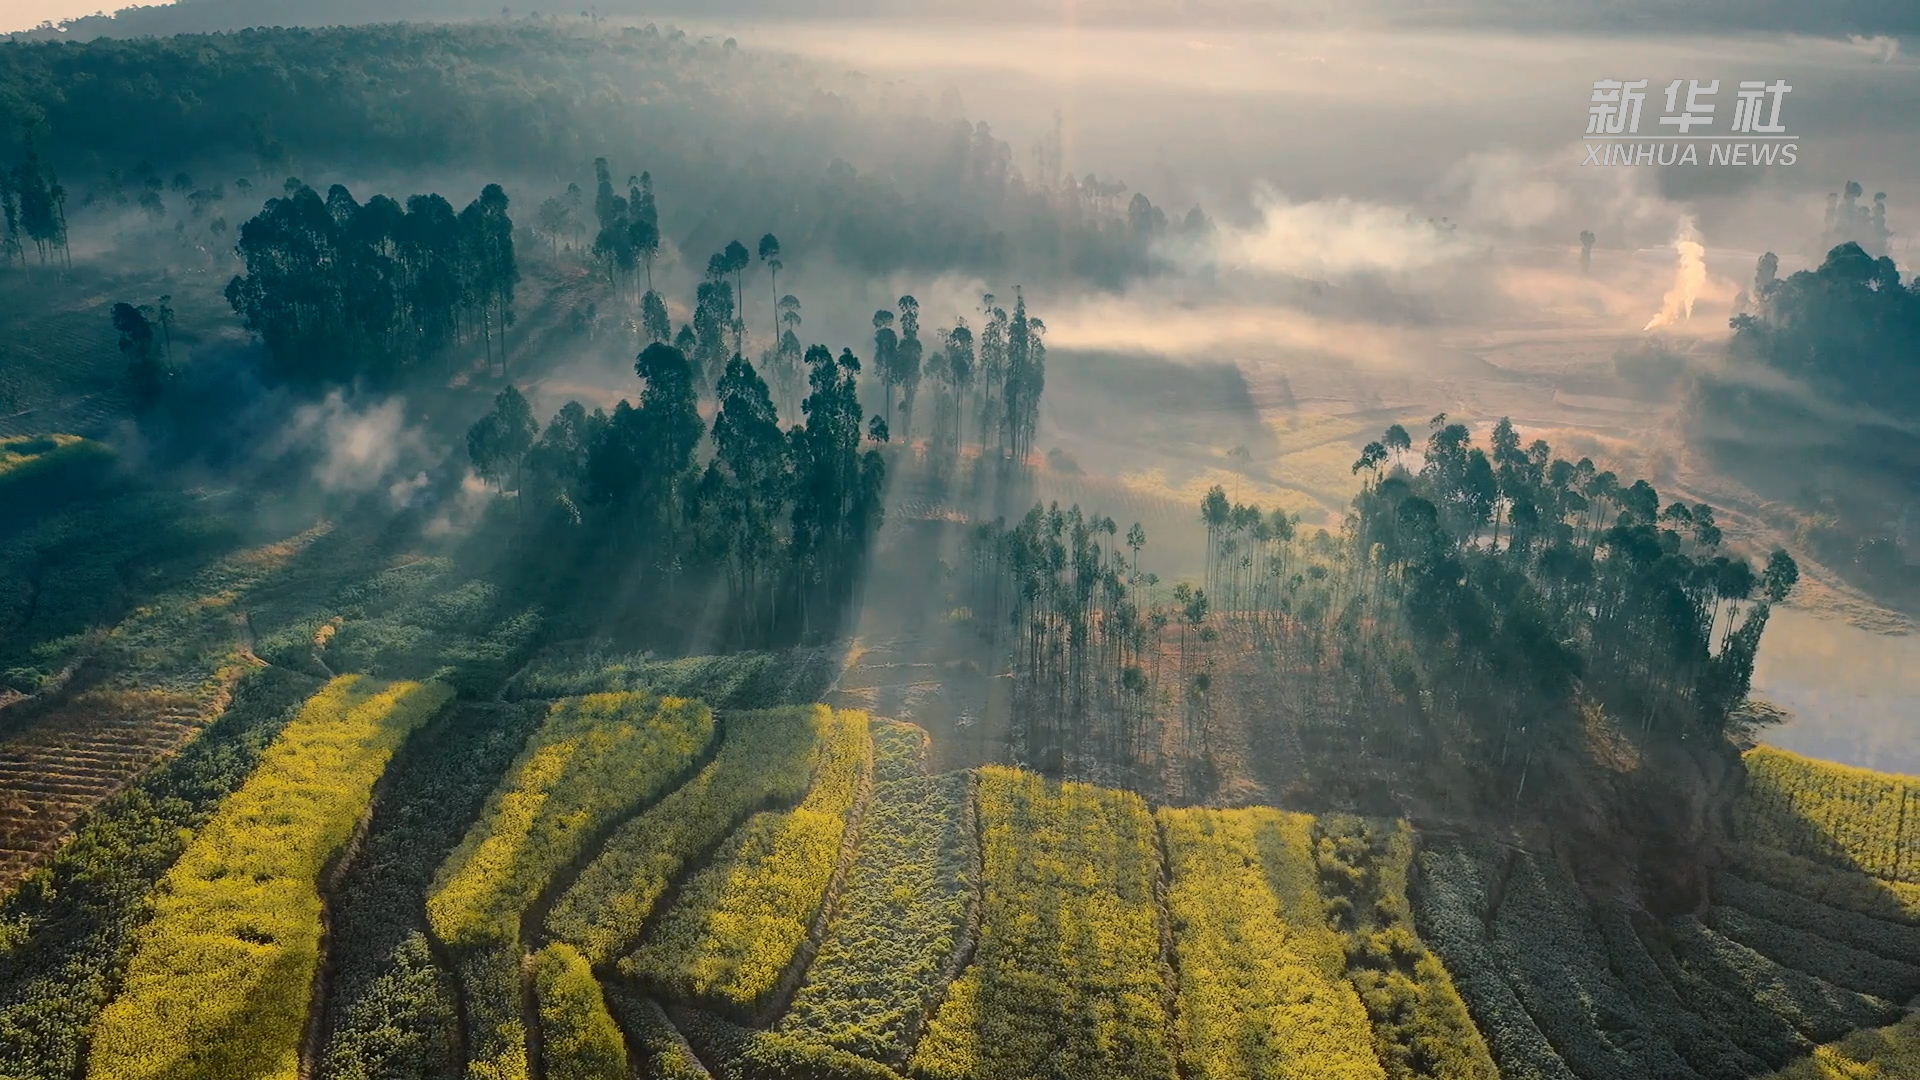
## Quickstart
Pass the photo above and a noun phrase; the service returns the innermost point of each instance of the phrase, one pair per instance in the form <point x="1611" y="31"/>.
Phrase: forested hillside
<point x="826" y="160"/>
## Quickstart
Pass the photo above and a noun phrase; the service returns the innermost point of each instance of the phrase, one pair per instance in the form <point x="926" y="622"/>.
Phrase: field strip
<point x="224" y="972"/>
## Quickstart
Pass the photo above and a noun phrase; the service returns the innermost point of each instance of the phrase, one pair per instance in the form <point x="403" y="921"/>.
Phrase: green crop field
<point x="901" y="918"/>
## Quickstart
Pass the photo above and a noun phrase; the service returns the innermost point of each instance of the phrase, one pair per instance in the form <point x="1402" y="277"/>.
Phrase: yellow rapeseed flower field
<point x="741" y="921"/>
<point x="766" y="758"/>
<point x="1263" y="993"/>
<point x="594" y="758"/>
<point x="1888" y="1053"/>
<point x="579" y="1039"/>
<point x="1848" y="818"/>
<point x="1067" y="982"/>
<point x="220" y="980"/>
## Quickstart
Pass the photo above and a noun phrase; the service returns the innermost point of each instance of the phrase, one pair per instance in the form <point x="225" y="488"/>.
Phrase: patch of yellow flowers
<point x="765" y="758"/>
<point x="741" y="921"/>
<point x="579" y="1039"/>
<point x="1851" y="819"/>
<point x="219" y="983"/>
<point x="1067" y="981"/>
<point x="1263" y="992"/>
<point x="594" y="758"/>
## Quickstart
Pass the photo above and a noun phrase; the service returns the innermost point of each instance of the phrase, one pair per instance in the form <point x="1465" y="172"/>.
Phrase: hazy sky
<point x="25" y="14"/>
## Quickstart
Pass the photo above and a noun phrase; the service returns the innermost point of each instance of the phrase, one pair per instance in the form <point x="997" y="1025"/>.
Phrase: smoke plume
<point x="1688" y="278"/>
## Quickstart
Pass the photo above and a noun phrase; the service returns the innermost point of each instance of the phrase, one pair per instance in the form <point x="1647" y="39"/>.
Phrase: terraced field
<point x="158" y="678"/>
<point x="656" y="890"/>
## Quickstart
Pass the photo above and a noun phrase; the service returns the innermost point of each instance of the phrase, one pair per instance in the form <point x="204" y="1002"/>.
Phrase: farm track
<point x="796" y="970"/>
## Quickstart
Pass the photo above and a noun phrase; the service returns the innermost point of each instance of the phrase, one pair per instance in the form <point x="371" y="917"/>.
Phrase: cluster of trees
<point x="339" y="290"/>
<point x="1475" y="598"/>
<point x="1848" y="220"/>
<point x="34" y="206"/>
<point x="202" y="227"/>
<point x="783" y="517"/>
<point x="1850" y="327"/>
<point x="1521" y="576"/>
<point x="994" y="379"/>
<point x="1084" y="641"/>
<point x="629" y="239"/>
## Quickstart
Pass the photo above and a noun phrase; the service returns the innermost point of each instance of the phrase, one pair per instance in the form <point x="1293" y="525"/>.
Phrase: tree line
<point x="33" y="205"/>
<point x="990" y="384"/>
<point x="878" y="188"/>
<point x="339" y="290"/>
<point x="1850" y="326"/>
<point x="776" y="499"/>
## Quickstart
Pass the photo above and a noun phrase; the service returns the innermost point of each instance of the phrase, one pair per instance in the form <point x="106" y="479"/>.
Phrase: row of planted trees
<point x="779" y="504"/>
<point x="1475" y="601"/>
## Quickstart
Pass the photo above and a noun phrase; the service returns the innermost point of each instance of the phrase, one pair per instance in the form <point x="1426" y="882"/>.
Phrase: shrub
<point x="71" y="927"/>
<point x="1421" y="1029"/>
<point x="1447" y="905"/>
<point x="1888" y="1053"/>
<point x="579" y="1040"/>
<point x="433" y="791"/>
<point x="741" y="922"/>
<point x="899" y="919"/>
<point x="765" y="759"/>
<point x="1256" y="998"/>
<point x="1821" y="957"/>
<point x="592" y="760"/>
<point x="219" y="983"/>
<point x="1067" y="980"/>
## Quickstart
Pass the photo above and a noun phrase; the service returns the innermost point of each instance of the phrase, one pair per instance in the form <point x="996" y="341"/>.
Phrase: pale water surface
<point x="1855" y="695"/>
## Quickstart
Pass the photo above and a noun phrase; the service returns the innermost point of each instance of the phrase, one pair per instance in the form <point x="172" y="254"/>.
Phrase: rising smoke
<point x="1688" y="278"/>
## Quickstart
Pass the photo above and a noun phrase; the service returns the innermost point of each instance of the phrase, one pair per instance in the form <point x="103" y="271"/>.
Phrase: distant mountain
<point x="1607" y="16"/>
